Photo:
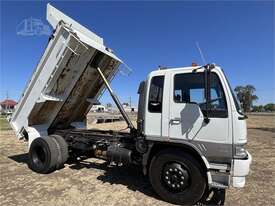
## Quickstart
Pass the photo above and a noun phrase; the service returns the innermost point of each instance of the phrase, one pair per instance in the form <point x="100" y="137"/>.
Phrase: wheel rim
<point x="175" y="177"/>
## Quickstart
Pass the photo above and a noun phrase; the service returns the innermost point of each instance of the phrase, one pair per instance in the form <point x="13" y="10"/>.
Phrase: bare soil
<point x="93" y="182"/>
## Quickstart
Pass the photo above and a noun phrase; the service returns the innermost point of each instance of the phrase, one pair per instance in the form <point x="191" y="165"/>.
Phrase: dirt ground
<point x="93" y="182"/>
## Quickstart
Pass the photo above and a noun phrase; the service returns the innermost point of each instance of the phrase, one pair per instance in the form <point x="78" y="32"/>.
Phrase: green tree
<point x="246" y="96"/>
<point x="259" y="108"/>
<point x="269" y="107"/>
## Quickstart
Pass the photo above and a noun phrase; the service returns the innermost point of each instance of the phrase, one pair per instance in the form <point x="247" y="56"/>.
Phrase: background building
<point x="7" y="106"/>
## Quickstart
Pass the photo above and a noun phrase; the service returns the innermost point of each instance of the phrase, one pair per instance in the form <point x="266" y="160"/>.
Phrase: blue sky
<point x="238" y="36"/>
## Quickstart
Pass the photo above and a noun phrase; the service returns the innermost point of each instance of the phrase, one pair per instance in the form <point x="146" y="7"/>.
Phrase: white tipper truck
<point x="191" y="133"/>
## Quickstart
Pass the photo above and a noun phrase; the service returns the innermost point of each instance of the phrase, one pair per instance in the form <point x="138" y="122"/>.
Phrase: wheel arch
<point x="155" y="147"/>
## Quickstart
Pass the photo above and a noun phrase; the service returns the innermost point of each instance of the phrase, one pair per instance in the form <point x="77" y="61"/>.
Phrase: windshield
<point x="236" y="101"/>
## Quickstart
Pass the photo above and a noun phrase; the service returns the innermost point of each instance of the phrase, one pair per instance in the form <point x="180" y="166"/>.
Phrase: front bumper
<point x="241" y="169"/>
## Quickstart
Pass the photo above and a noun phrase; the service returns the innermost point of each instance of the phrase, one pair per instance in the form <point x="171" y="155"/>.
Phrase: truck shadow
<point x="130" y="176"/>
<point x="266" y="129"/>
<point x="20" y="158"/>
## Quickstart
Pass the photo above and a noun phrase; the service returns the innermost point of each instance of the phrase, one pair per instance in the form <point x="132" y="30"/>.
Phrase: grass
<point x="4" y="124"/>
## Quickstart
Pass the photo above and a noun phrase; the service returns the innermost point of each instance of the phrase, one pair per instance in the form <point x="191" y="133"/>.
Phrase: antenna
<point x="202" y="56"/>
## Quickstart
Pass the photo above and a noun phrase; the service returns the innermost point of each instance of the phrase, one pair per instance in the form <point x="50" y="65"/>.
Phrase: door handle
<point x="154" y="103"/>
<point x="175" y="121"/>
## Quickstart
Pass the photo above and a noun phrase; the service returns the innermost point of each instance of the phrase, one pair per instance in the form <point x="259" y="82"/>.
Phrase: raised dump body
<point x="65" y="82"/>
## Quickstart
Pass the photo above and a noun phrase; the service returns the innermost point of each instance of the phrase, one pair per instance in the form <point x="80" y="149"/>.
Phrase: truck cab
<point x="194" y="109"/>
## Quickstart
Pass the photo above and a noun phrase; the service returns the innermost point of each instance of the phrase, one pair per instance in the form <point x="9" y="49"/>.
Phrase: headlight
<point x="240" y="152"/>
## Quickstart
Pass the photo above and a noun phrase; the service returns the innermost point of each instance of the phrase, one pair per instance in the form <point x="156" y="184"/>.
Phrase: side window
<point x="155" y="94"/>
<point x="197" y="95"/>
<point x="189" y="88"/>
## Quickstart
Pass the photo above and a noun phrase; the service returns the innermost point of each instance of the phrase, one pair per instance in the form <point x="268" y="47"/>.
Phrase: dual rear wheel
<point x="47" y="154"/>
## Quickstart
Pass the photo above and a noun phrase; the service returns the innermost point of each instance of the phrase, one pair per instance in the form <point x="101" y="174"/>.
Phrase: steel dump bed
<point x="65" y="82"/>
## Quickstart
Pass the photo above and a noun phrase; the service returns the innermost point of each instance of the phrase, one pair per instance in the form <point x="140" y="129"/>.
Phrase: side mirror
<point x="206" y="119"/>
<point x="243" y="117"/>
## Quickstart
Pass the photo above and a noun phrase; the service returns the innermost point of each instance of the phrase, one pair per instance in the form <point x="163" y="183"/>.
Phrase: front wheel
<point x="177" y="177"/>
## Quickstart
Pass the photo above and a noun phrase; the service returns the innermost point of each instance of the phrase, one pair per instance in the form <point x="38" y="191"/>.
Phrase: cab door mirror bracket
<point x="207" y="87"/>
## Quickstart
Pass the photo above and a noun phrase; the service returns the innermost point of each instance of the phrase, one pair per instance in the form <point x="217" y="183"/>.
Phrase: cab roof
<point x="163" y="71"/>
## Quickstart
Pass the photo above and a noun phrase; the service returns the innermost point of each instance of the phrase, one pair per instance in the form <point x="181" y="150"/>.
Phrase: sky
<point x="236" y="35"/>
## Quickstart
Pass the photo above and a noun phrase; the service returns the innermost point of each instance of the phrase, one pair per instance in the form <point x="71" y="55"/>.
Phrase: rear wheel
<point x="177" y="177"/>
<point x="63" y="150"/>
<point x="43" y="155"/>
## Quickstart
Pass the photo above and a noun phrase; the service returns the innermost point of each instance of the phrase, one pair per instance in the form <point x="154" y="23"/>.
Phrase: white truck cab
<point x="179" y="110"/>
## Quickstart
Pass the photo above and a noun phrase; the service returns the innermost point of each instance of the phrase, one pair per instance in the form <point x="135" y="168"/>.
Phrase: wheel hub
<point x="175" y="177"/>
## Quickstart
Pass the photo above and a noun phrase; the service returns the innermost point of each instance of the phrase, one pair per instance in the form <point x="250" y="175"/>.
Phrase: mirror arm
<point x="207" y="85"/>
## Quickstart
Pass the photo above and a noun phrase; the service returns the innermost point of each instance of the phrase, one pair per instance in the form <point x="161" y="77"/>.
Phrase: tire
<point x="177" y="177"/>
<point x="43" y="155"/>
<point x="63" y="150"/>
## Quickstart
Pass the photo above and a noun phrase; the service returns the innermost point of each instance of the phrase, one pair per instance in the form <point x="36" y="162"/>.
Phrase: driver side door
<point x="187" y="110"/>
